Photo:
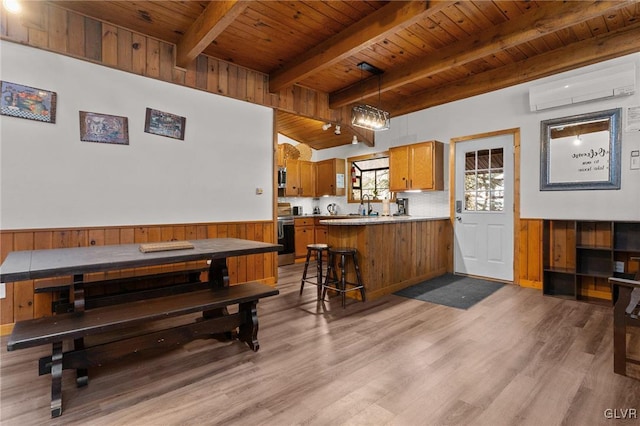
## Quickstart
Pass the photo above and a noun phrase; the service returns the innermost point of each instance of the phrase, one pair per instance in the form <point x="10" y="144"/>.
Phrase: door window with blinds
<point x="484" y="181"/>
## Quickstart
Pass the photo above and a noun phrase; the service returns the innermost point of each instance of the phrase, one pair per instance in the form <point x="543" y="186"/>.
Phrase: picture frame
<point x="18" y="100"/>
<point x="581" y="152"/>
<point x="104" y="128"/>
<point x="164" y="124"/>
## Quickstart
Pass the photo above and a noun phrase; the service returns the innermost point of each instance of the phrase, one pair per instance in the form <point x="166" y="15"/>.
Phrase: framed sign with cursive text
<point x="581" y="152"/>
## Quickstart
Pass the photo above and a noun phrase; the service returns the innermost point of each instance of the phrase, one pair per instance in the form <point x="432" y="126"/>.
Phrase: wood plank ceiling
<point x="430" y="52"/>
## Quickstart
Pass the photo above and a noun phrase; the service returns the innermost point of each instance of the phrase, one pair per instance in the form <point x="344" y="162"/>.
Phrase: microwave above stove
<point x="282" y="177"/>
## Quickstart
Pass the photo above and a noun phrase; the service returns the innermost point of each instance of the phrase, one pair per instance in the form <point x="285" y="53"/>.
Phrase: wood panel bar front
<point x="394" y="253"/>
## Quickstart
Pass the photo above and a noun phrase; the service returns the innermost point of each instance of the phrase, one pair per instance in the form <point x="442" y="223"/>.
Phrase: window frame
<point x="350" y="161"/>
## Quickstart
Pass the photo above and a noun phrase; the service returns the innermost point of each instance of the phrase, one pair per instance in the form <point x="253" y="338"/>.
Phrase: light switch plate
<point x="618" y="267"/>
<point x="635" y="160"/>
<point x="3" y="290"/>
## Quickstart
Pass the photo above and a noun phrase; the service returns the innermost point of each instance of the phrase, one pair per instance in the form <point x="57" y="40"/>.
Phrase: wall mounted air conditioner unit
<point x="606" y="83"/>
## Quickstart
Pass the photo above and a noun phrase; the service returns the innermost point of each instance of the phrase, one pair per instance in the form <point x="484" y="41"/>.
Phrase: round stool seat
<point x="318" y="249"/>
<point x="343" y="250"/>
<point x="317" y="246"/>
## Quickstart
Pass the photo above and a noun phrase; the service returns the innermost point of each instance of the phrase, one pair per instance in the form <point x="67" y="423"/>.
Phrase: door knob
<point x="459" y="218"/>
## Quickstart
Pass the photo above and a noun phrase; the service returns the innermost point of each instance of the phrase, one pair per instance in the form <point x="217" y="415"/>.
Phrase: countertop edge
<point x="379" y="220"/>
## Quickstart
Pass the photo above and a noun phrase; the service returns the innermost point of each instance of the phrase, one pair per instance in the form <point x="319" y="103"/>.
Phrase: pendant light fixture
<point x="367" y="116"/>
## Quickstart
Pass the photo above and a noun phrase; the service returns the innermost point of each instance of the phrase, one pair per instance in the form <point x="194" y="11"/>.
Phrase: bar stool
<point x="319" y="250"/>
<point x="332" y="282"/>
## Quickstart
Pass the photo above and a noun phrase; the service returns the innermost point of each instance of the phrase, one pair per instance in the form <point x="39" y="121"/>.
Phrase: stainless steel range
<point x="286" y="235"/>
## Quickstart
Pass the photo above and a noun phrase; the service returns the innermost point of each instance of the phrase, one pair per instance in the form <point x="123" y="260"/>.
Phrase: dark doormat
<point x="451" y="290"/>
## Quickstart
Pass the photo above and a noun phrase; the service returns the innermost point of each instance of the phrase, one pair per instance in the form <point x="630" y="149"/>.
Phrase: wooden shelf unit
<point x="580" y="256"/>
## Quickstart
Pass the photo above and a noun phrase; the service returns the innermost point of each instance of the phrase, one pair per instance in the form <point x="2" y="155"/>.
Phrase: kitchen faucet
<point x="368" y="203"/>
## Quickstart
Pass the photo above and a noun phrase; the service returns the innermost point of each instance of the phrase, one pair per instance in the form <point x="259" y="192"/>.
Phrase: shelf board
<point x="595" y="300"/>
<point x="602" y="248"/>
<point x="569" y="271"/>
<point x="630" y="250"/>
<point x="595" y="274"/>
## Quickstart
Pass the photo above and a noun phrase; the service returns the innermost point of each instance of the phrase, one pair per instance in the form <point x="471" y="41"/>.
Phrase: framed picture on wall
<point x="104" y="128"/>
<point x="164" y="124"/>
<point x="27" y="102"/>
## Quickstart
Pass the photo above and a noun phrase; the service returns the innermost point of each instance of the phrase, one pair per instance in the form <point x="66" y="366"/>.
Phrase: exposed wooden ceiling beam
<point x="364" y="33"/>
<point x="600" y="48"/>
<point x="217" y="16"/>
<point x="550" y="17"/>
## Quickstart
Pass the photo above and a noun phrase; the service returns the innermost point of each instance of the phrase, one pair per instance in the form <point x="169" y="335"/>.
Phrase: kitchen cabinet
<point x="304" y="235"/>
<point x="280" y="156"/>
<point x="300" y="179"/>
<point x="330" y="177"/>
<point x="417" y="167"/>
<point x="320" y="232"/>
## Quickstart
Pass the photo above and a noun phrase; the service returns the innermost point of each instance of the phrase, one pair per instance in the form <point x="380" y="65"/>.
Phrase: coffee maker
<point x="403" y="206"/>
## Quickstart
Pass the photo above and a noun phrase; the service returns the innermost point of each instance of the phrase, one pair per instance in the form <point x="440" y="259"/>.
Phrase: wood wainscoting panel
<point x="23" y="303"/>
<point x="393" y="256"/>
<point x="530" y="253"/>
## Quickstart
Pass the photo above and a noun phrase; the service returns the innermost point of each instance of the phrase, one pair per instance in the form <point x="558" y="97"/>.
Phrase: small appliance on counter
<point x="297" y="211"/>
<point x="403" y="207"/>
<point x="332" y="209"/>
<point x="316" y="210"/>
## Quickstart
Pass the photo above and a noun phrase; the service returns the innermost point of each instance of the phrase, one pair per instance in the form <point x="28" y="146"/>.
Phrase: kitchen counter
<point x="376" y="220"/>
<point x="394" y="252"/>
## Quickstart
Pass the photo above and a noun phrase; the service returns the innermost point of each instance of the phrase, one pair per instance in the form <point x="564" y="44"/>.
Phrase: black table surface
<point x="34" y="264"/>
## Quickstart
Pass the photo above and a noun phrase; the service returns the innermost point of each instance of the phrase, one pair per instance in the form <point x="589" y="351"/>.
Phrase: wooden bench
<point x="78" y="325"/>
<point x="622" y="295"/>
<point x="176" y="280"/>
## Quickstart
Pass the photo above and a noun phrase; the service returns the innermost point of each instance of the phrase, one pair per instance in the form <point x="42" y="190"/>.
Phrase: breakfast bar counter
<point x="394" y="252"/>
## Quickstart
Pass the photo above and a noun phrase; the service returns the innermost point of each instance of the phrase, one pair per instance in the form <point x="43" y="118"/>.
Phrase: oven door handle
<point x="280" y="230"/>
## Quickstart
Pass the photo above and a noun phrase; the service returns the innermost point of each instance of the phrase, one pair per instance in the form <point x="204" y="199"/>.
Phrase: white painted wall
<point x="505" y="109"/>
<point x="49" y="178"/>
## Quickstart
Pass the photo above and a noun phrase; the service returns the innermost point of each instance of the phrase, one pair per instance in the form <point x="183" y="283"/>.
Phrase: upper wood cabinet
<point x="330" y="177"/>
<point x="307" y="178"/>
<point x="280" y="156"/>
<point x="300" y="179"/>
<point x="417" y="167"/>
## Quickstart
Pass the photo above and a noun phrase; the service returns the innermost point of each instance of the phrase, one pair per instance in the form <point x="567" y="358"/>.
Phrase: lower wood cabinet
<point x="304" y="235"/>
<point x="580" y="256"/>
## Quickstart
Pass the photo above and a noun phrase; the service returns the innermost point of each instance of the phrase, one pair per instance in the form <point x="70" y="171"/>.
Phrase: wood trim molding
<point x="516" y="187"/>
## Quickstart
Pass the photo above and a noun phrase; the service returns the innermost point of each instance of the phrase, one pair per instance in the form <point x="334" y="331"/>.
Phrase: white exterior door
<point x="483" y="225"/>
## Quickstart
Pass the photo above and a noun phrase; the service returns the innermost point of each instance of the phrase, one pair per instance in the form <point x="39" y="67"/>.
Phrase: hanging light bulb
<point x="12" y="6"/>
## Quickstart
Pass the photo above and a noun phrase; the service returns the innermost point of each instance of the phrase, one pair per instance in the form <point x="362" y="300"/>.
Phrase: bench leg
<point x="249" y="328"/>
<point x="56" y="380"/>
<point x="82" y="374"/>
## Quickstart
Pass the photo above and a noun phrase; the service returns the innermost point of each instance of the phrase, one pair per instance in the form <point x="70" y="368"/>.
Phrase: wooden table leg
<point x="619" y="329"/>
<point x="249" y="328"/>
<point x="219" y="278"/>
<point x="56" y="380"/>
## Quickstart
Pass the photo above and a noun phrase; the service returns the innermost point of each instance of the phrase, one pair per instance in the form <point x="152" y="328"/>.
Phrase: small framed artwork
<point x="104" y="128"/>
<point x="27" y="102"/>
<point x="164" y="124"/>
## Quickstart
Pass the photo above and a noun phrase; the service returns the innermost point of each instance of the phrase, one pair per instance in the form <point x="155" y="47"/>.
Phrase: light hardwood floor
<point x="516" y="358"/>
